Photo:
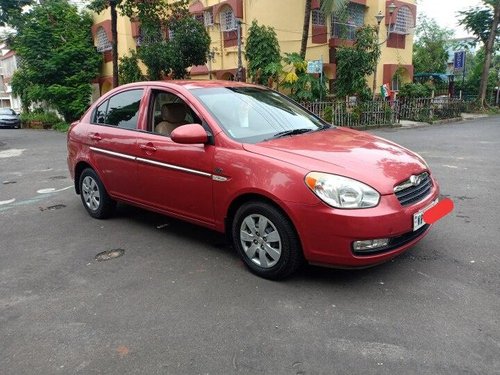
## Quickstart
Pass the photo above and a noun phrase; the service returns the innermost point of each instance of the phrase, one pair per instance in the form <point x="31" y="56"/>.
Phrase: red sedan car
<point x="248" y="161"/>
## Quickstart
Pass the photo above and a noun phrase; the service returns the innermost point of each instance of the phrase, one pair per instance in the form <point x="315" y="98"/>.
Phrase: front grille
<point x="395" y="242"/>
<point x="408" y="193"/>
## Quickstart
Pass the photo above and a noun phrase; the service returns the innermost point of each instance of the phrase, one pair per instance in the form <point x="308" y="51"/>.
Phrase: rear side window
<point x="121" y="110"/>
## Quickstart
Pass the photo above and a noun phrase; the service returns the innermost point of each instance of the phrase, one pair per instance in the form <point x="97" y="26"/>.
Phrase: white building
<point x="8" y="65"/>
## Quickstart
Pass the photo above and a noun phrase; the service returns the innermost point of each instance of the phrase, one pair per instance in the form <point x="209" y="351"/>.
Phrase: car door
<point x="112" y="141"/>
<point x="175" y="178"/>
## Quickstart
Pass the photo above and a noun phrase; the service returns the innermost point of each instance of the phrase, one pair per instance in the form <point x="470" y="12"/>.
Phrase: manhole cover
<point x="109" y="254"/>
<point x="57" y="178"/>
<point x="53" y="208"/>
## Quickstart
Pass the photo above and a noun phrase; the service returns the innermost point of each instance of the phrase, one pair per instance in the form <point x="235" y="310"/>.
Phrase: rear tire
<point x="266" y="240"/>
<point x="94" y="196"/>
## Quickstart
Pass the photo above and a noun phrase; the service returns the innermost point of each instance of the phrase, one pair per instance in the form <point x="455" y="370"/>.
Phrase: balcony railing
<point x="344" y="30"/>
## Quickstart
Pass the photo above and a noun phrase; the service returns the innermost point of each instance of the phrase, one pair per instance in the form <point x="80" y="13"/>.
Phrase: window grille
<point x="208" y="18"/>
<point x="356" y="14"/>
<point x="345" y="27"/>
<point x="404" y="21"/>
<point x="227" y="20"/>
<point x="102" y="42"/>
<point x="318" y="17"/>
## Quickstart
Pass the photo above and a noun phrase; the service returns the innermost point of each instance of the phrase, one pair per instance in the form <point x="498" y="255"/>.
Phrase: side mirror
<point x="189" y="134"/>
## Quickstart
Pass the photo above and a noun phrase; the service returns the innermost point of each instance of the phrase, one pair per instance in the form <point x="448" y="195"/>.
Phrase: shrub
<point x="414" y="90"/>
<point x="47" y="120"/>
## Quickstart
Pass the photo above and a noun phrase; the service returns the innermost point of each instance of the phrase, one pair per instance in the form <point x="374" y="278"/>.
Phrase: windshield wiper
<point x="292" y="132"/>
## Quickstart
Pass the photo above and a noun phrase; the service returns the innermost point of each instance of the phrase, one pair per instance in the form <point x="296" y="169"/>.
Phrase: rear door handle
<point x="148" y="147"/>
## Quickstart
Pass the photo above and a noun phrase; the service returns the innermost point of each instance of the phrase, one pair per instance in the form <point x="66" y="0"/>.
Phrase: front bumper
<point x="10" y="124"/>
<point x="327" y="234"/>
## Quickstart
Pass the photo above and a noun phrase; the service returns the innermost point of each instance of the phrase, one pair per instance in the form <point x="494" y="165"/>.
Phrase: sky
<point x="444" y="12"/>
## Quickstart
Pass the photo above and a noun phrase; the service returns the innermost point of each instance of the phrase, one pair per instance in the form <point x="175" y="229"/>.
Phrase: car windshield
<point x="7" y="111"/>
<point x="252" y="114"/>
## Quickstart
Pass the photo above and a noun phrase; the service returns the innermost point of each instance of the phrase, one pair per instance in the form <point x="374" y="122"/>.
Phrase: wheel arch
<point x="79" y="168"/>
<point x="248" y="197"/>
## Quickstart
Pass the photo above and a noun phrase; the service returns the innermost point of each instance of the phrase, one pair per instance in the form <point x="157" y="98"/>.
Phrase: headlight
<point x="341" y="192"/>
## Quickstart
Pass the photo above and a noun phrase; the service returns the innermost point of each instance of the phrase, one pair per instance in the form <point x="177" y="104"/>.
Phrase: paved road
<point x="179" y="301"/>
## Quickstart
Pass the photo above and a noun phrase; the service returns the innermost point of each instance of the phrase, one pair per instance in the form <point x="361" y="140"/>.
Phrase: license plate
<point x="418" y="218"/>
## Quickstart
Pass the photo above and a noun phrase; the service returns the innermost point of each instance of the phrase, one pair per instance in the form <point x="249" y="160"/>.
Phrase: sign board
<point x="459" y="61"/>
<point x="315" y="67"/>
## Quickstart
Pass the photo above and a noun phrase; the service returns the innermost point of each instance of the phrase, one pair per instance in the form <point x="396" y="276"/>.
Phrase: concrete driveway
<point x="179" y="301"/>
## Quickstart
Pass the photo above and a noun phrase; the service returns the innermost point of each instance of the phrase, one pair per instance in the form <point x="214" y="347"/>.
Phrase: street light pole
<point x="239" y="73"/>
<point x="379" y="18"/>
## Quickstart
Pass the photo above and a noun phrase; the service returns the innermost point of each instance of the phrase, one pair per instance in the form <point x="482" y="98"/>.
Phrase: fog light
<point x="367" y="245"/>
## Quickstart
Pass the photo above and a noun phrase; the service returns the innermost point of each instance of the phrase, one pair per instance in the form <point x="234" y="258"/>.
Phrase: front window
<point x="251" y="115"/>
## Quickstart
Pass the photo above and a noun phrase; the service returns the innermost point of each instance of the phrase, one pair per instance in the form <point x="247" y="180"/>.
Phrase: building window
<point x="208" y="18"/>
<point x="227" y="20"/>
<point x="199" y="17"/>
<point x="102" y="42"/>
<point x="404" y="21"/>
<point x="318" y="17"/>
<point x="346" y="28"/>
<point x="396" y="81"/>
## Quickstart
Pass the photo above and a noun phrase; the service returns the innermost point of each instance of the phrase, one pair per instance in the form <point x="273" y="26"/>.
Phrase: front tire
<point x="266" y="240"/>
<point x="94" y="196"/>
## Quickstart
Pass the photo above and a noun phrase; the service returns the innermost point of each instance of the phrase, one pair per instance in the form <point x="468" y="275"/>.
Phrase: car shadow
<point x="219" y="243"/>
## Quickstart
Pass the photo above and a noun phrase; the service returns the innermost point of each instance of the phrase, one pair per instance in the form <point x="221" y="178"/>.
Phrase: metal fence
<point x="356" y="114"/>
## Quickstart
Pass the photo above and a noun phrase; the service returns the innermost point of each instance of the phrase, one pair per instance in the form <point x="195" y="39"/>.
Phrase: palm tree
<point x="328" y="7"/>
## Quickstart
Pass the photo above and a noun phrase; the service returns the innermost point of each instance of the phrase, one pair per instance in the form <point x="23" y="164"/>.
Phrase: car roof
<point x="192" y="84"/>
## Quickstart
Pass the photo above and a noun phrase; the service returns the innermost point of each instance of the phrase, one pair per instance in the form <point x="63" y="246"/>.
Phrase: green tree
<point x="189" y="46"/>
<point x="129" y="70"/>
<point x="57" y="58"/>
<point x="10" y="11"/>
<point x="357" y="62"/>
<point x="99" y="6"/>
<point x="328" y="7"/>
<point x="430" y="50"/>
<point x="262" y="52"/>
<point x="302" y="86"/>
<point x="484" y="24"/>
<point x="188" y="42"/>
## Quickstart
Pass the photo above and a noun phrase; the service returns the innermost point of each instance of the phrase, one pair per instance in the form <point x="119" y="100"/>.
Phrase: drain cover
<point x="109" y="254"/>
<point x="57" y="178"/>
<point x="9" y="182"/>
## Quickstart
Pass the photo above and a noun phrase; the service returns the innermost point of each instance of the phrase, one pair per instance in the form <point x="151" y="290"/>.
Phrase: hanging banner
<point x="459" y="61"/>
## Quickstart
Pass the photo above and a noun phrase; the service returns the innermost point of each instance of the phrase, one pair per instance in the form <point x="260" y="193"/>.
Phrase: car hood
<point x="375" y="161"/>
<point x="9" y="117"/>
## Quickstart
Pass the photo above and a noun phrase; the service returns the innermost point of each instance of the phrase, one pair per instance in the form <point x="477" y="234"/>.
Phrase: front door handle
<point x="148" y="147"/>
